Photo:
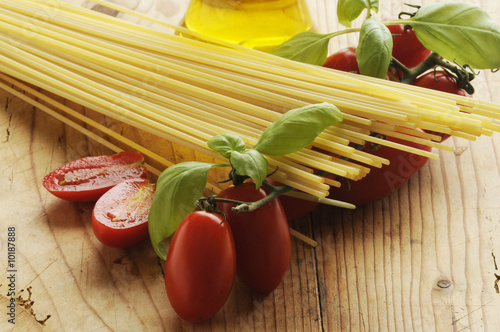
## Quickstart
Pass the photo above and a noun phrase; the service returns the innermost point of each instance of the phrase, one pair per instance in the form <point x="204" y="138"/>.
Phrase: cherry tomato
<point x="87" y="179"/>
<point x="441" y="81"/>
<point x="381" y="182"/>
<point x="261" y="237"/>
<point x="406" y="48"/>
<point x="120" y="216"/>
<point x="295" y="208"/>
<point x="200" y="266"/>
<point x="344" y="60"/>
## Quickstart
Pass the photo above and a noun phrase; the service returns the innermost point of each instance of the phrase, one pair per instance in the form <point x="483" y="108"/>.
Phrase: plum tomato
<point x="440" y="81"/>
<point x="120" y="216"/>
<point x="86" y="179"/>
<point x="201" y="266"/>
<point x="406" y="48"/>
<point x="262" y="238"/>
<point x="344" y="60"/>
<point x="381" y="182"/>
<point x="295" y="208"/>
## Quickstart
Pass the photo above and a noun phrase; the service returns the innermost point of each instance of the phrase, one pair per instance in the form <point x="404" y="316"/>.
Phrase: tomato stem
<point x="462" y="74"/>
<point x="210" y="203"/>
<point x="274" y="191"/>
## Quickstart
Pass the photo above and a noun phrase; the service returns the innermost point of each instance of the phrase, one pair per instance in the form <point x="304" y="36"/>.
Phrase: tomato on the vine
<point x="200" y="267"/>
<point x="407" y="48"/>
<point x="262" y="238"/>
<point x="344" y="60"/>
<point x="120" y="216"/>
<point x="86" y="179"/>
<point x="381" y="182"/>
<point x="440" y="81"/>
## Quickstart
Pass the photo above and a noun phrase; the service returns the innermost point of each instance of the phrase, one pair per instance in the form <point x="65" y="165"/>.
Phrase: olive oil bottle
<point x="259" y="24"/>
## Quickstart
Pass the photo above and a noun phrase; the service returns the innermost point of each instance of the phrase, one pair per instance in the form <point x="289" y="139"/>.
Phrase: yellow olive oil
<point x="259" y="24"/>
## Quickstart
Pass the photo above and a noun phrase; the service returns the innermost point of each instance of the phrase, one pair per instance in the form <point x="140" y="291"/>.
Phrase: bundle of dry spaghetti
<point x="187" y="90"/>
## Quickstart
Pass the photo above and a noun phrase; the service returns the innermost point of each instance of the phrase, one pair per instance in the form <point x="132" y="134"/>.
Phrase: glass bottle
<point x="259" y="24"/>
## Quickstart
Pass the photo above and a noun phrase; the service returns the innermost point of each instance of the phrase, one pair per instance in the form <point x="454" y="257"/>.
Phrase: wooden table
<point x="424" y="259"/>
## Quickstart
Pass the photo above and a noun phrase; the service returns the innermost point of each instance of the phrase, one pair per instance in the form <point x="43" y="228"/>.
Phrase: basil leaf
<point x="349" y="10"/>
<point x="251" y="163"/>
<point x="225" y="144"/>
<point x="374" y="50"/>
<point x="177" y="190"/>
<point x="297" y="129"/>
<point x="459" y="32"/>
<point x="308" y="47"/>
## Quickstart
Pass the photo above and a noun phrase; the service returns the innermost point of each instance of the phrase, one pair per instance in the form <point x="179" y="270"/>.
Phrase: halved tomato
<point x="86" y="179"/>
<point x="120" y="216"/>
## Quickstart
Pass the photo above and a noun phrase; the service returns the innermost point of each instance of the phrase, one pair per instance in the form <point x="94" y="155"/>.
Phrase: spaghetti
<point x="187" y="90"/>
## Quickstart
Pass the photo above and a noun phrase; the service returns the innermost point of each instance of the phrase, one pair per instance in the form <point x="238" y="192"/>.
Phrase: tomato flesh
<point x="120" y="216"/>
<point x="86" y="179"/>
<point x="381" y="182"/>
<point x="200" y="267"/>
<point x="262" y="238"/>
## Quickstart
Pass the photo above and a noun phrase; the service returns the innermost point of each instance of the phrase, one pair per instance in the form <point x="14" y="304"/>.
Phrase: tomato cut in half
<point x="120" y="216"/>
<point x="86" y="179"/>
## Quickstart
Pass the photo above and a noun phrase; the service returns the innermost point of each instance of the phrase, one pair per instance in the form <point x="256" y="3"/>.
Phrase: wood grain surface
<point x="424" y="259"/>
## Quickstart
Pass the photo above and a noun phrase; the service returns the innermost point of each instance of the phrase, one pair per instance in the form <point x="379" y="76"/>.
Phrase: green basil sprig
<point x="349" y="10"/>
<point x="307" y="47"/>
<point x="374" y="51"/>
<point x="225" y="144"/>
<point x="181" y="185"/>
<point x="459" y="31"/>
<point x="245" y="162"/>
<point x="177" y="189"/>
<point x="297" y="129"/>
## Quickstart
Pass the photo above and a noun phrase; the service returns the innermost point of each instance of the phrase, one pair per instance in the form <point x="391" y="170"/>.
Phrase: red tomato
<point x="87" y="179"/>
<point x="441" y="81"/>
<point x="295" y="208"/>
<point x="200" y="266"/>
<point x="344" y="60"/>
<point x="381" y="182"/>
<point x="261" y="237"/>
<point x="406" y="48"/>
<point x="120" y="216"/>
